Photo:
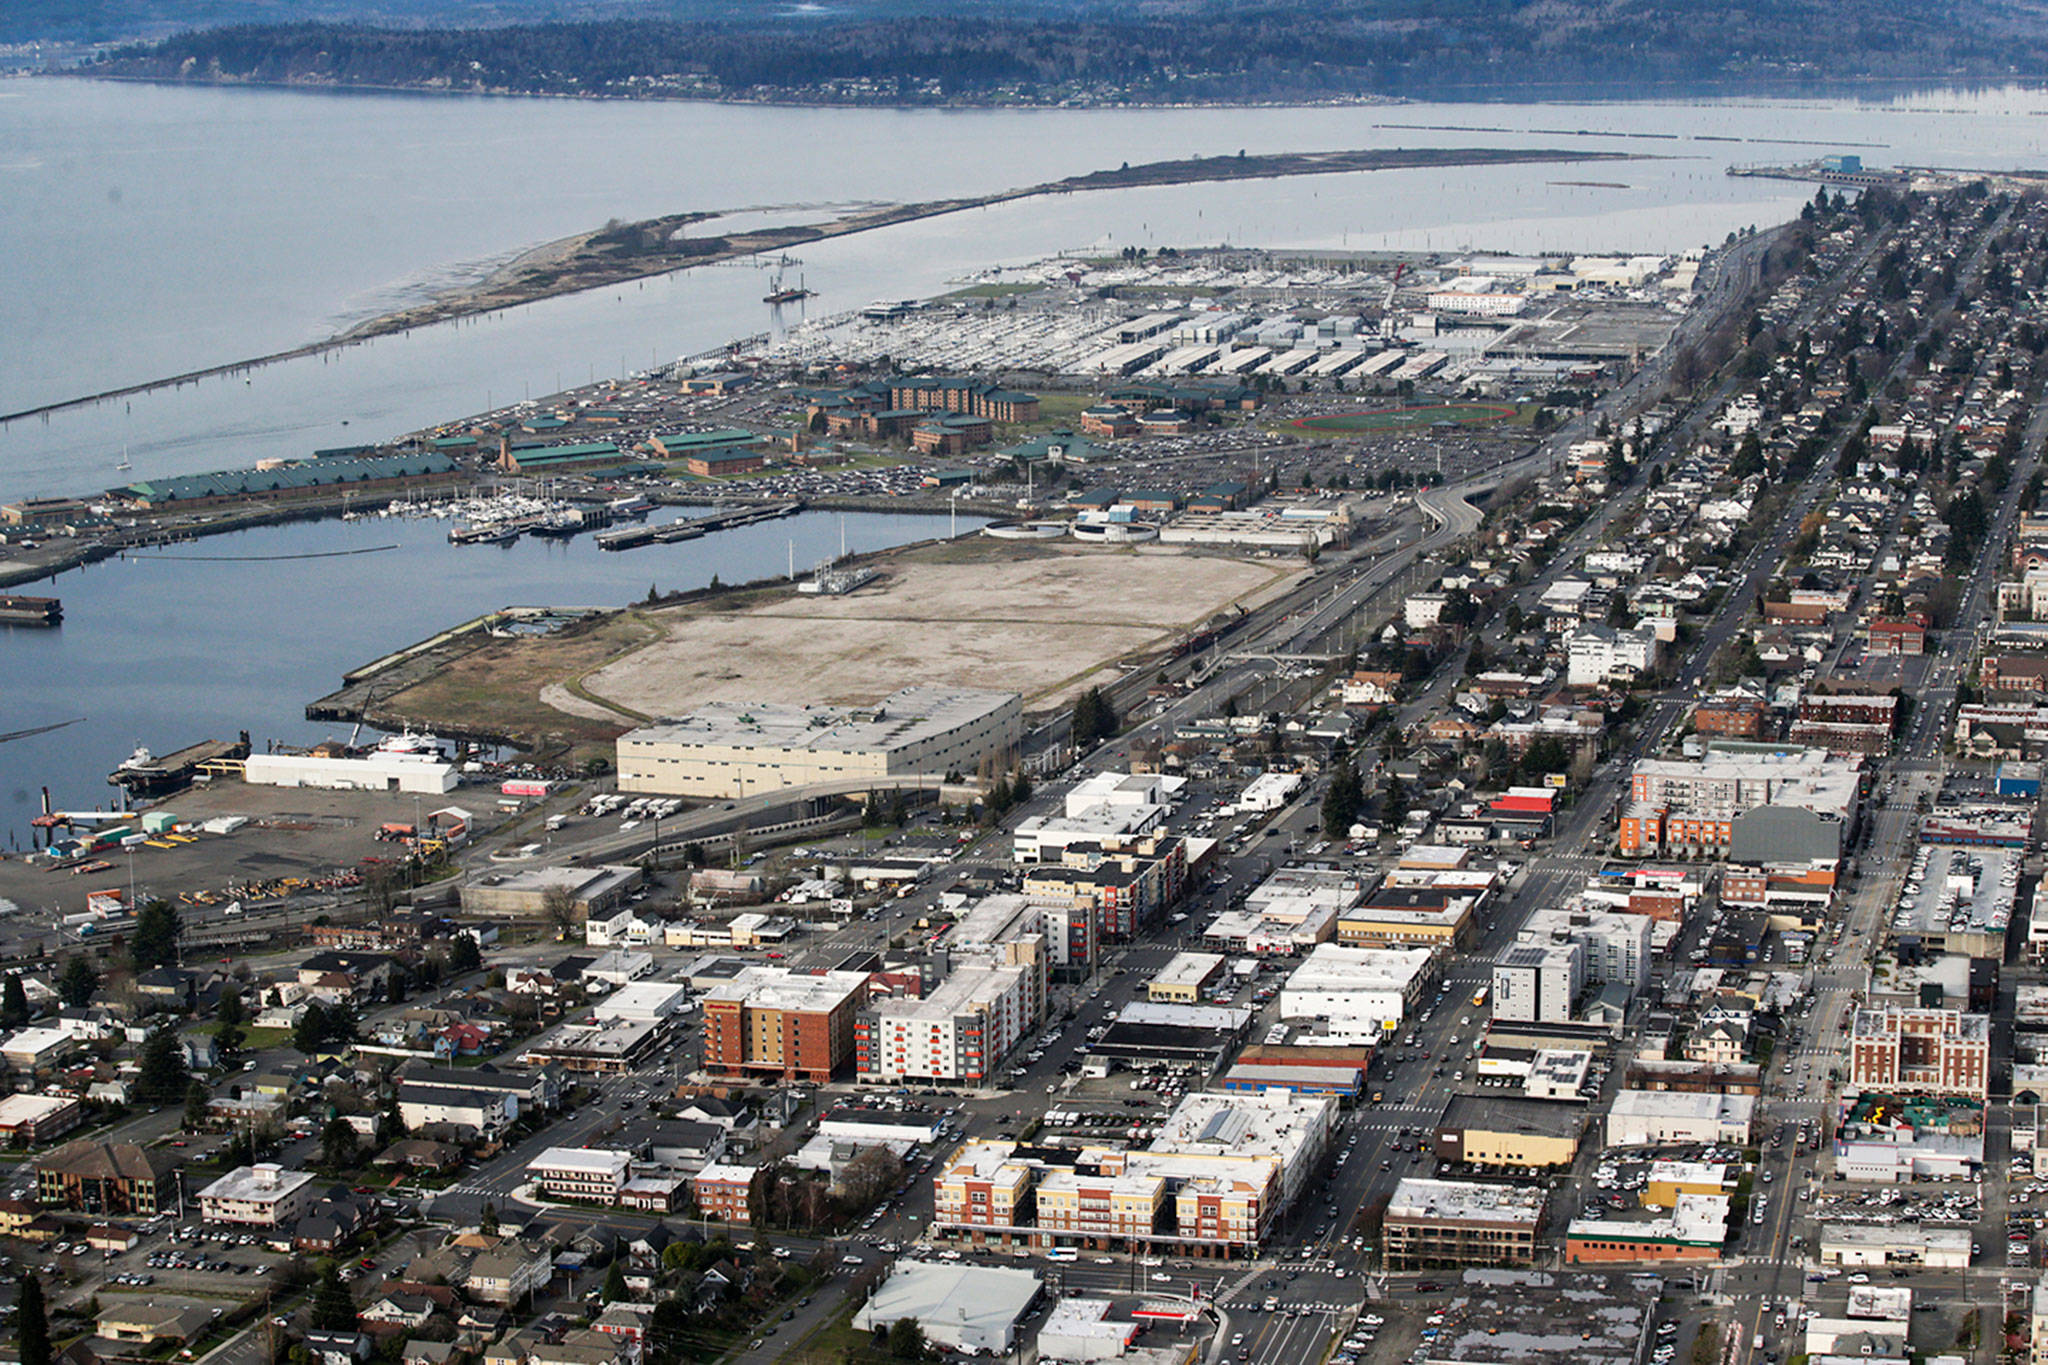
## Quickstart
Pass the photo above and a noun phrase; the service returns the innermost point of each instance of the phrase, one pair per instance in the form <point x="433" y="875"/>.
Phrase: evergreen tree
<point x="487" y="1224"/>
<point x="79" y="981"/>
<point x="154" y="940"/>
<point x="338" y="1144"/>
<point x="614" y="1282"/>
<point x="464" y="955"/>
<point x="160" y="1076"/>
<point x="13" y="1003"/>
<point x="197" y="1097"/>
<point x="310" y="1034"/>
<point x="1087" y="718"/>
<point x="32" y="1322"/>
<point x="231" y="1015"/>
<point x="333" y="1309"/>
<point x="1341" y="803"/>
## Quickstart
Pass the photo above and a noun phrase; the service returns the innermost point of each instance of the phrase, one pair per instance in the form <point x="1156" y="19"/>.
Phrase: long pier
<point x="690" y="528"/>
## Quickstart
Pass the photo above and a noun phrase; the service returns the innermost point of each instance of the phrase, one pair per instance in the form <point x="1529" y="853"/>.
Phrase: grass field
<point x="1405" y="419"/>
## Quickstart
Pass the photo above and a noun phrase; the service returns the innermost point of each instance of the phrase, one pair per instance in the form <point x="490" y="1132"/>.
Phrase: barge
<point x="30" y="611"/>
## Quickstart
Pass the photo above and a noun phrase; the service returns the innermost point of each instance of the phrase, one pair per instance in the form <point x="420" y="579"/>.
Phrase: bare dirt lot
<point x="1044" y="622"/>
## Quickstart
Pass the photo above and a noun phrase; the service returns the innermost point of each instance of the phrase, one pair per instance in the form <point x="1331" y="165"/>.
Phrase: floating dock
<point x="30" y="611"/>
<point x="689" y="528"/>
<point x="144" y="774"/>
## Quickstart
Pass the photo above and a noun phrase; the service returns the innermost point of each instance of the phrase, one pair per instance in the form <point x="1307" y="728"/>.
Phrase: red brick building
<point x="2013" y="673"/>
<point x="1736" y="717"/>
<point x="971" y="397"/>
<point x="1926" y="1051"/>
<point x="726" y="1193"/>
<point x="774" y="1022"/>
<point x="1897" y="638"/>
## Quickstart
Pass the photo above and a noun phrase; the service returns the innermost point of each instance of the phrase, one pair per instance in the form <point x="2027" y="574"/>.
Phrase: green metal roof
<point x="334" y="472"/>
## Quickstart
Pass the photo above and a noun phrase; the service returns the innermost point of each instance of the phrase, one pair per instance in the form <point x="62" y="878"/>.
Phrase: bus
<point x="1062" y="1254"/>
<point x="1479" y="997"/>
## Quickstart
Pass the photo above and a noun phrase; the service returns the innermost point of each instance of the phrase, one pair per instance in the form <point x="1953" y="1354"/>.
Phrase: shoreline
<point x="1534" y="93"/>
<point x="568" y="265"/>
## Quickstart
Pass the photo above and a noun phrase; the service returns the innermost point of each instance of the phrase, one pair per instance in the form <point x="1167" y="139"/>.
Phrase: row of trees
<point x="1293" y="49"/>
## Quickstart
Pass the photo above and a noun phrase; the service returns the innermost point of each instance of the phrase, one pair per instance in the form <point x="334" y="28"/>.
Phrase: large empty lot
<point x="1039" y="621"/>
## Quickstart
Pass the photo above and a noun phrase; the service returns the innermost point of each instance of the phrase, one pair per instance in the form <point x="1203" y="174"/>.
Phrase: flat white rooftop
<point x="582" y="1161"/>
<point x="1334" y="967"/>
<point x="1465" y="1201"/>
<point x="911" y="716"/>
<point x="779" y="988"/>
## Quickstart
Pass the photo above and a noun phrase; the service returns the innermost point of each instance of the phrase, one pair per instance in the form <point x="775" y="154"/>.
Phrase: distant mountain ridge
<point x="1163" y="52"/>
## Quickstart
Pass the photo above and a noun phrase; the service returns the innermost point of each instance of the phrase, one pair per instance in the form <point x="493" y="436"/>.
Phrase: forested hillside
<point x="1282" y="50"/>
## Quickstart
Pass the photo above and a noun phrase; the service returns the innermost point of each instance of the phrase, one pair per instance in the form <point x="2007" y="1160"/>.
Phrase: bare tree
<point x="558" y="905"/>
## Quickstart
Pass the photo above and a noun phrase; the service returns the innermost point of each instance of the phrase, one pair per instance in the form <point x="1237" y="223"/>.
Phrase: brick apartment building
<point x="1456" y="1223"/>
<point x="726" y="1193"/>
<point x="1732" y="717"/>
<point x="777" y="1023"/>
<point x="1928" y="1051"/>
<point x="970" y="397"/>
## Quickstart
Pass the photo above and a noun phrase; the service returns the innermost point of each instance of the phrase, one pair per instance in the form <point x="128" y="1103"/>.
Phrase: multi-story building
<point x="1126" y="883"/>
<point x="1617" y="946"/>
<point x="726" y="1192"/>
<point x="1226" y="1165"/>
<point x="107" y="1178"/>
<point x="582" y="1173"/>
<point x="986" y="1188"/>
<point x="261" y="1196"/>
<point x="1730" y="717"/>
<point x="1359" y="993"/>
<point x="468" y="1113"/>
<point x="957" y="1033"/>
<point x="1694" y="805"/>
<point x="1454" y="1222"/>
<point x="29" y="1119"/>
<point x="1929" y="1051"/>
<point x="1596" y="654"/>
<point x="1694" y="1230"/>
<point x="1095" y="1209"/>
<point x="771" y="1021"/>
<point x="1538" y="982"/>
<point x="975" y="397"/>
<point x="726" y="750"/>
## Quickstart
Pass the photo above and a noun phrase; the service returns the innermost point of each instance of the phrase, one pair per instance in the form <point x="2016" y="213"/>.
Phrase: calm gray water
<point x="172" y="229"/>
<point x="152" y="231"/>
<point x="166" y="648"/>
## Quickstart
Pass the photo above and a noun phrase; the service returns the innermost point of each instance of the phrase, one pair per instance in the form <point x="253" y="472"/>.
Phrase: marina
<point x="226" y="657"/>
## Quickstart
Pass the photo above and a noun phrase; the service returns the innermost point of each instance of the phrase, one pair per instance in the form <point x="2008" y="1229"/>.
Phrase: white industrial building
<point x="1107" y="806"/>
<point x="1617" y="946"/>
<point x="969" y="1308"/>
<point x="647" y="1001"/>
<point x="1357" y="993"/>
<point x="1536" y="983"/>
<point x="375" y="772"/>
<point x="1855" y="1244"/>
<point x="1269" y="791"/>
<point x="1081" y="1329"/>
<point x="1653" y="1118"/>
<point x="736" y="749"/>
